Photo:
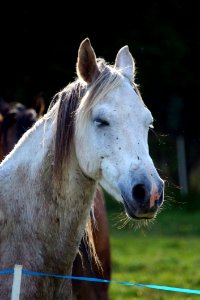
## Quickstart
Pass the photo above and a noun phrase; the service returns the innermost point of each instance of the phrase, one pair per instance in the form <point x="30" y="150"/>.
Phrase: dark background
<point x="39" y="49"/>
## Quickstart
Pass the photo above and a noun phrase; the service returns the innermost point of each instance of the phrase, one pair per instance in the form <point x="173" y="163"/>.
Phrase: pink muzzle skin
<point x="155" y="195"/>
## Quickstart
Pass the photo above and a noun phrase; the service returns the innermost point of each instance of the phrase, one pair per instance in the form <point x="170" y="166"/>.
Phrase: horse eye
<point x="100" y="122"/>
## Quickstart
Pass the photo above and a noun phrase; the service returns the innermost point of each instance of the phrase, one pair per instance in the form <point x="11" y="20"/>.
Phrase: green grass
<point x="166" y="252"/>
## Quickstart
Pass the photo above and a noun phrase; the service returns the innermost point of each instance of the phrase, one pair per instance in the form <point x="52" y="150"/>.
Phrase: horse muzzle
<point x="144" y="201"/>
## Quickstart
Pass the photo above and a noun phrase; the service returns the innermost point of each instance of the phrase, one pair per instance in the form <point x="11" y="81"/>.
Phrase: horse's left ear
<point x="86" y="66"/>
<point x="125" y="63"/>
<point x="1" y="118"/>
<point x="38" y="104"/>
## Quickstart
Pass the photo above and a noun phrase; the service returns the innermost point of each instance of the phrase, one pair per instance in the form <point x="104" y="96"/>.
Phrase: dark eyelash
<point x="101" y="122"/>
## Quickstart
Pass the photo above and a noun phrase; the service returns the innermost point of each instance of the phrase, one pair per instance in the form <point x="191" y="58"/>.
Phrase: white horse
<point x="95" y="133"/>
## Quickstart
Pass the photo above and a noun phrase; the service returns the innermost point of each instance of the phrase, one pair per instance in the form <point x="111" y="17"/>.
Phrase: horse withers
<point x="95" y="133"/>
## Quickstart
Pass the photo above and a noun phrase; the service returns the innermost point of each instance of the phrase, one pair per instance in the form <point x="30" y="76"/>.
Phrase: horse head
<point x="16" y="119"/>
<point x="111" y="135"/>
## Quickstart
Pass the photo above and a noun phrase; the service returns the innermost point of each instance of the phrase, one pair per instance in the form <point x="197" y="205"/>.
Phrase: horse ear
<point x="4" y="107"/>
<point x="125" y="63"/>
<point x="1" y="118"/>
<point x="38" y="104"/>
<point x="86" y="66"/>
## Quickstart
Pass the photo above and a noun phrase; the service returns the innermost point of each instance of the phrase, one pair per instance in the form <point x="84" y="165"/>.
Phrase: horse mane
<point x="75" y="103"/>
<point x="68" y="102"/>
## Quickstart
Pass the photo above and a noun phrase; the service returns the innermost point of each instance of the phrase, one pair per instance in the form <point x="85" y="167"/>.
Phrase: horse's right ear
<point x="86" y="67"/>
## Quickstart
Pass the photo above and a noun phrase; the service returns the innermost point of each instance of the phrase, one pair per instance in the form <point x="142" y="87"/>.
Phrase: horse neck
<point x="79" y="192"/>
<point x="34" y="154"/>
<point x="63" y="208"/>
<point x="74" y="197"/>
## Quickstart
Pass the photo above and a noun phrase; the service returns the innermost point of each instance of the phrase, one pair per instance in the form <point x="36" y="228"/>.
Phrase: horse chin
<point x="132" y="213"/>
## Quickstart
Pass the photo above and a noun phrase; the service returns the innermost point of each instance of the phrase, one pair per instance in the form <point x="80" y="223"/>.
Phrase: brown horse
<point x="15" y="119"/>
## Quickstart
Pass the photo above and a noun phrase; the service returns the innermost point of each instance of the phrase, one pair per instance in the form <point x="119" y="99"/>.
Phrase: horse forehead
<point x="124" y="99"/>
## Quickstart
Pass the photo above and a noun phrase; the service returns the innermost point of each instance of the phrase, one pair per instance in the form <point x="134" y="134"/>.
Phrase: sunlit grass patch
<point x="167" y="253"/>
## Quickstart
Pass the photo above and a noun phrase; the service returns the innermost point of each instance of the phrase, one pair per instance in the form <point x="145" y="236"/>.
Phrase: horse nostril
<point x="139" y="192"/>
